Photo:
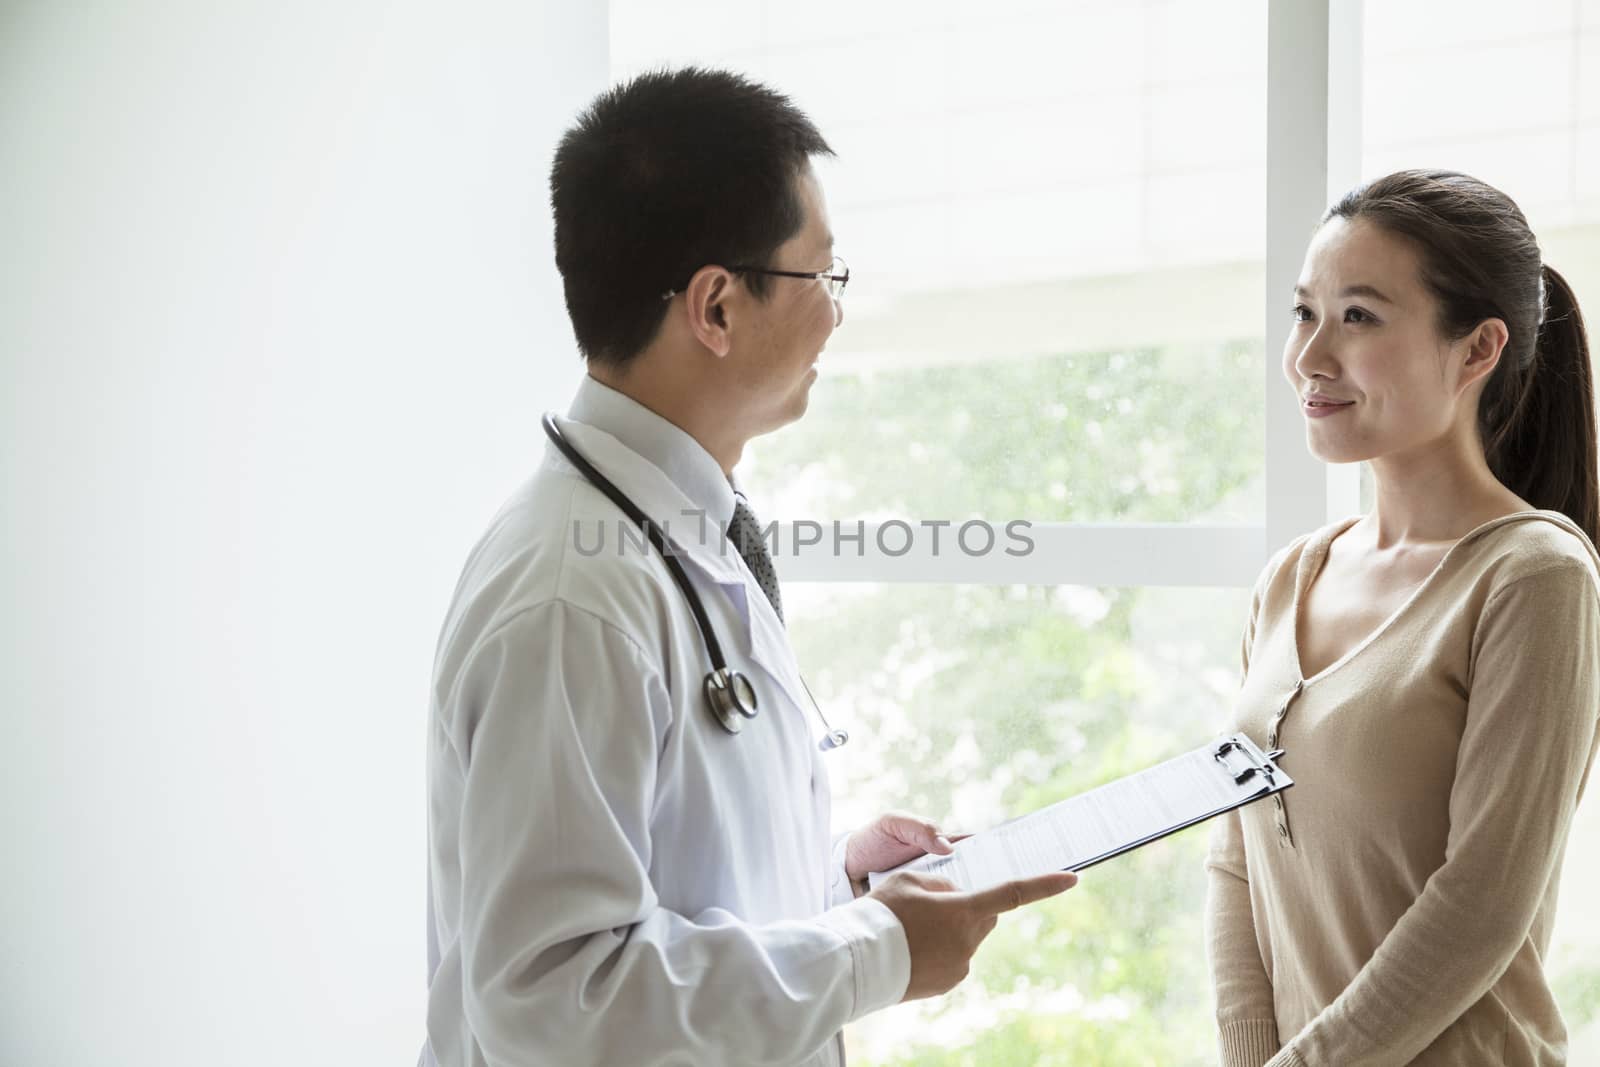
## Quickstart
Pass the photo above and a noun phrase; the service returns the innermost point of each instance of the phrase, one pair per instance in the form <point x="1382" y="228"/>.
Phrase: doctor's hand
<point x="888" y="841"/>
<point x="945" y="927"/>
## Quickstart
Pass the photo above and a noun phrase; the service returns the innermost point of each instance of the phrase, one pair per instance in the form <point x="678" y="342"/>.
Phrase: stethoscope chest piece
<point x="732" y="698"/>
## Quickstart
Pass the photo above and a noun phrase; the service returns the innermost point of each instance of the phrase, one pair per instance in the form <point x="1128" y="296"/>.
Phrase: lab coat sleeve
<point x="567" y="955"/>
<point x="840" y="891"/>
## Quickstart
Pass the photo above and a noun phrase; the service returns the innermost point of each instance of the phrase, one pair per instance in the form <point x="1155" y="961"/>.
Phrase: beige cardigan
<point x="1394" y="907"/>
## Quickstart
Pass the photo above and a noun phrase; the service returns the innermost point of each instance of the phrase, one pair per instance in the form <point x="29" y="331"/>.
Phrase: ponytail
<point x="1539" y="427"/>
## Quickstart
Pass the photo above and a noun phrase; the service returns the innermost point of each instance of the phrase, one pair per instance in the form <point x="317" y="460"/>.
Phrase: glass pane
<point x="1053" y="215"/>
<point x="1524" y="115"/>
<point x="1155" y="435"/>
<point x="971" y="704"/>
<point x="1532" y="128"/>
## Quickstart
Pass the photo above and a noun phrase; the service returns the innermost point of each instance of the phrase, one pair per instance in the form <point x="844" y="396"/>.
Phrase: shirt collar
<point x="680" y="457"/>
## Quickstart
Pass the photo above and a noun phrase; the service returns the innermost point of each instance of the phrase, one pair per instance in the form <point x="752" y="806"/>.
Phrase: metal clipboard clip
<point x="1253" y="767"/>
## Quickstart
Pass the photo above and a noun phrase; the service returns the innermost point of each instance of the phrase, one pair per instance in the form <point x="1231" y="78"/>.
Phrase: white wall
<point x="277" y="317"/>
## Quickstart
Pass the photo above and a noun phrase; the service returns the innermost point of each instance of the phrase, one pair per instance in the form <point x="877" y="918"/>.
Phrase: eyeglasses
<point x="837" y="276"/>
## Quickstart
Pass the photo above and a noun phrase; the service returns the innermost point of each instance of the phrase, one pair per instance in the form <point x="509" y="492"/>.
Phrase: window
<point x="1072" y="228"/>
<point x="975" y="702"/>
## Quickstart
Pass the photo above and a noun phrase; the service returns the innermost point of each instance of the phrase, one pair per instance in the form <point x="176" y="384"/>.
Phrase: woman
<point x="1432" y="668"/>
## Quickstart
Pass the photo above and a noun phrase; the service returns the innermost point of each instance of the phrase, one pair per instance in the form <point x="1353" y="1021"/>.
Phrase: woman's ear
<point x="708" y="308"/>
<point x="1483" y="346"/>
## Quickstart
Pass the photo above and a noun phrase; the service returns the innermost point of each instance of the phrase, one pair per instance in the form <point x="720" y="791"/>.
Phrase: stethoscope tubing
<point x="728" y="693"/>
<point x="652" y="531"/>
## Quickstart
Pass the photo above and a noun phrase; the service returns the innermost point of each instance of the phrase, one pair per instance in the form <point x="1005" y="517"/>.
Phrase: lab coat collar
<point x="671" y="478"/>
<point x="661" y="500"/>
<point x="677" y="454"/>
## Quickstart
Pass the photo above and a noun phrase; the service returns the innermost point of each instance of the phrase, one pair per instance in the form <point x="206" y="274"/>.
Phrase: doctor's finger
<point x="920" y="832"/>
<point x="1008" y="896"/>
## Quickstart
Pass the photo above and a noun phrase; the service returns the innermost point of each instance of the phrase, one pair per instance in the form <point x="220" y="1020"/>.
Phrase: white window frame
<point x="1314" y="100"/>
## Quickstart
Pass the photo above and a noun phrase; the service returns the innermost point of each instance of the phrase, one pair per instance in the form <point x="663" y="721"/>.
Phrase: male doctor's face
<point x="778" y="359"/>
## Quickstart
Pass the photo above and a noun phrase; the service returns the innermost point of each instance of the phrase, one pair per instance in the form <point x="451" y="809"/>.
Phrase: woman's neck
<point x="1436" y="494"/>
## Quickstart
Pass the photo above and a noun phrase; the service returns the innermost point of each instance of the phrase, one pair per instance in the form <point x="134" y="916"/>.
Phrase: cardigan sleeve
<point x="1247" y="1028"/>
<point x="1531" y="706"/>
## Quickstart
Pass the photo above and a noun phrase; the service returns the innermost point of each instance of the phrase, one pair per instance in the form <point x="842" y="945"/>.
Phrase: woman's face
<point x="1364" y="355"/>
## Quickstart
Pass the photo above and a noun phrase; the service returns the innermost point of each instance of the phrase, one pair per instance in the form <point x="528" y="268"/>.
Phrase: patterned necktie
<point x="745" y="533"/>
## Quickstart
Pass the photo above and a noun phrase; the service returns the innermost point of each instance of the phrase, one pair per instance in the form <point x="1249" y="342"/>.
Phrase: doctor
<point x="629" y="866"/>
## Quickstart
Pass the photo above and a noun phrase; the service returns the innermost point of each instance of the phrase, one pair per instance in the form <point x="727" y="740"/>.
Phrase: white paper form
<point x="1121" y="815"/>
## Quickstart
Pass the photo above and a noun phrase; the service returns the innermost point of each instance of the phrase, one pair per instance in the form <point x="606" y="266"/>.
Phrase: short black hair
<point x="661" y="176"/>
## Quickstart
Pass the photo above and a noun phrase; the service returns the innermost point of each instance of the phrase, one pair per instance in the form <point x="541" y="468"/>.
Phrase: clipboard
<point x="1079" y="832"/>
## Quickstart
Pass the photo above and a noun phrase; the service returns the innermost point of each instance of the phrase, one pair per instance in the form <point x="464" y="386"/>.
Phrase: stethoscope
<point x="729" y="693"/>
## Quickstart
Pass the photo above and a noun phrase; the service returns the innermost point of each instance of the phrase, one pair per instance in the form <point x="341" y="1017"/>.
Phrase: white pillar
<point x="1313" y="144"/>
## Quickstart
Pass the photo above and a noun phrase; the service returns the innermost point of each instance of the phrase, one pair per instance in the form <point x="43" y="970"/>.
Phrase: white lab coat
<point x="614" y="880"/>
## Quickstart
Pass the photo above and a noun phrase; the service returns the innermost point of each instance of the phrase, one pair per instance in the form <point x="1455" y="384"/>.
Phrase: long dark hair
<point x="1536" y="417"/>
